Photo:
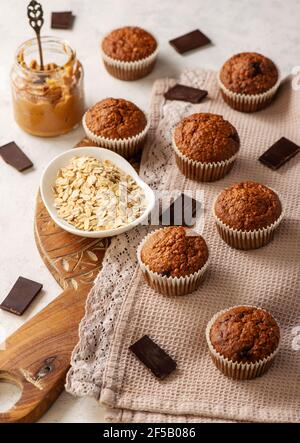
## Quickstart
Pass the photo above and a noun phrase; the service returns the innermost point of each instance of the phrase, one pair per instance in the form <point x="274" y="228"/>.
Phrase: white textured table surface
<point x="269" y="26"/>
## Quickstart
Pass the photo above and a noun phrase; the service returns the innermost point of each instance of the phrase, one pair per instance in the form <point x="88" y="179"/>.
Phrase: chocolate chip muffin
<point x="248" y="81"/>
<point x="115" y="118"/>
<point x="129" y="44"/>
<point x="173" y="260"/>
<point x="245" y="334"/>
<point x="248" y="206"/>
<point x="129" y="53"/>
<point x="247" y="214"/>
<point x="206" y="138"/>
<point x="117" y="124"/>
<point x="243" y="340"/>
<point x="205" y="146"/>
<point x="249" y="73"/>
<point x="173" y="253"/>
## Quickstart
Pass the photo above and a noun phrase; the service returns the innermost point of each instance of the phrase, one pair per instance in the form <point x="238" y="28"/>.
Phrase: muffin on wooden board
<point x="247" y="215"/>
<point x="243" y="341"/>
<point x="205" y="146"/>
<point x="129" y="53"/>
<point x="116" y="124"/>
<point x="173" y="260"/>
<point x="248" y="81"/>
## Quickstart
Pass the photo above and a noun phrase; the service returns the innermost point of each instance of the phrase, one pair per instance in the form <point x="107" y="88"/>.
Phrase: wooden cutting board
<point x="37" y="356"/>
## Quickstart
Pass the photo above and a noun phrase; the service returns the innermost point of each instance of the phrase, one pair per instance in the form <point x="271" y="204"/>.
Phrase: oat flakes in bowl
<point x="94" y="192"/>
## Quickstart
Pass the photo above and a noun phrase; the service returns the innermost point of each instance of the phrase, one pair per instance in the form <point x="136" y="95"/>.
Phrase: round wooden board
<point x="72" y="260"/>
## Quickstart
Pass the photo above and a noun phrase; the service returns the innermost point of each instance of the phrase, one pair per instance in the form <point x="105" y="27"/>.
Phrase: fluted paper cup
<point x="129" y="70"/>
<point x="170" y="285"/>
<point x="127" y="147"/>
<point x="246" y="240"/>
<point x="248" y="102"/>
<point x="200" y="171"/>
<point x="237" y="370"/>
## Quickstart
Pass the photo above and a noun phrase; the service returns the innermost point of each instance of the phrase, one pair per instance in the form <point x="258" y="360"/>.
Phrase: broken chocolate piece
<point x="62" y="20"/>
<point x="153" y="357"/>
<point x="181" y="212"/>
<point x="279" y="153"/>
<point x="21" y="295"/>
<point x="14" y="156"/>
<point x="185" y="93"/>
<point x="187" y="42"/>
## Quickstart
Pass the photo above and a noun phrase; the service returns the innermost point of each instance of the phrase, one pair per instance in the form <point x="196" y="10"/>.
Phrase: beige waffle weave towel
<point x="121" y="307"/>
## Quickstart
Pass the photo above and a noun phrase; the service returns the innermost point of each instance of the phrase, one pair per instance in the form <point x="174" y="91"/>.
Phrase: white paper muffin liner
<point x="248" y="102"/>
<point x="203" y="172"/>
<point x="127" y="147"/>
<point x="236" y="370"/>
<point x="129" y="70"/>
<point x="246" y="240"/>
<point x="170" y="285"/>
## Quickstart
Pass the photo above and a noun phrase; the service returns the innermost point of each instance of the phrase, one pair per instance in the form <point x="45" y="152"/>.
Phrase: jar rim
<point x="71" y="54"/>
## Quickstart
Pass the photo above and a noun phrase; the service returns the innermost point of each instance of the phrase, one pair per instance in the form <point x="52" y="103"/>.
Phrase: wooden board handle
<point x="37" y="356"/>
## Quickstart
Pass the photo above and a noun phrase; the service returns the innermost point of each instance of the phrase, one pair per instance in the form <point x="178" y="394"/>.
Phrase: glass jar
<point x="47" y="102"/>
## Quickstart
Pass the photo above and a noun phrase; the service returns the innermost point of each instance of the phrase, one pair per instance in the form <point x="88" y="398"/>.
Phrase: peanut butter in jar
<point x="47" y="102"/>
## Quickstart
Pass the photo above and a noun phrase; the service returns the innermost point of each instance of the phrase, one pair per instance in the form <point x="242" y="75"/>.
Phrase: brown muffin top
<point x="115" y="118"/>
<point x="129" y="44"/>
<point x="248" y="206"/>
<point x="206" y="138"/>
<point x="249" y="73"/>
<point x="171" y="252"/>
<point x="245" y="334"/>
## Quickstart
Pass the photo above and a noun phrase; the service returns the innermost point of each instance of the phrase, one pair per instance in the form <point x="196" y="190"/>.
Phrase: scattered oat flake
<point x="92" y="256"/>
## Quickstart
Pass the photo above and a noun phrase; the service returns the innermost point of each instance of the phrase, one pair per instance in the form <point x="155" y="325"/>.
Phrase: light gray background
<point x="267" y="26"/>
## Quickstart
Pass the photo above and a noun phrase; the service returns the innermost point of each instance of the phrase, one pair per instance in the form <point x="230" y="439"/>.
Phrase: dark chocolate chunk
<point x="14" y="156"/>
<point x="256" y="68"/>
<point x="279" y="153"/>
<point x="187" y="42"/>
<point x="153" y="357"/>
<point x="181" y="212"/>
<point x="62" y="20"/>
<point x="21" y="295"/>
<point x="185" y="93"/>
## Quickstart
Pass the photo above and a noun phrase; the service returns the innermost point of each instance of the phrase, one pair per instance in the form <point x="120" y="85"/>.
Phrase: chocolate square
<point x="185" y="93"/>
<point x="153" y="357"/>
<point x="21" y="295"/>
<point x="187" y="42"/>
<point x="279" y="153"/>
<point x="14" y="156"/>
<point x="181" y="212"/>
<point x="62" y="20"/>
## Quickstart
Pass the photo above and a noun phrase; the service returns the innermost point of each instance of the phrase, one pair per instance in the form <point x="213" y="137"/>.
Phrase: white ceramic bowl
<point x="49" y="176"/>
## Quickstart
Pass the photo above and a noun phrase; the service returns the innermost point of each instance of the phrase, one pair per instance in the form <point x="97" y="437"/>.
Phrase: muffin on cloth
<point x="129" y="53"/>
<point x="116" y="124"/>
<point x="248" y="81"/>
<point x="205" y="146"/>
<point x="173" y="260"/>
<point x="243" y="341"/>
<point x="247" y="215"/>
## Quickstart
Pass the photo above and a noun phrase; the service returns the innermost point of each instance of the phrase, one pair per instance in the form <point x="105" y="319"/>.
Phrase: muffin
<point x="243" y="341"/>
<point x="116" y="124"/>
<point x="247" y="215"/>
<point x="173" y="260"/>
<point x="129" y="53"/>
<point x="205" y="146"/>
<point x="248" y="81"/>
